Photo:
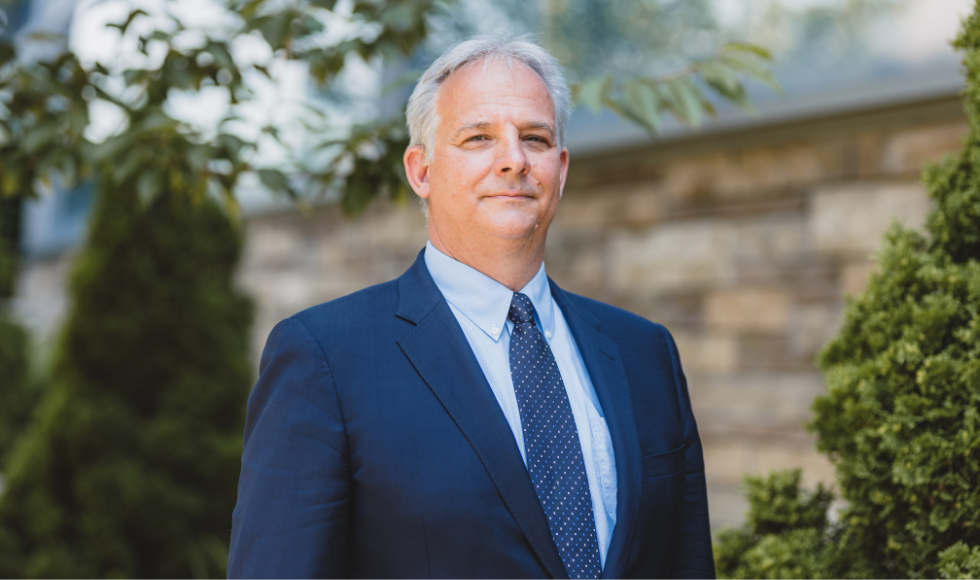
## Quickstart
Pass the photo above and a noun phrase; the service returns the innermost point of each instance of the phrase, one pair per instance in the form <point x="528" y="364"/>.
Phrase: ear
<point x="417" y="170"/>
<point x="563" y="159"/>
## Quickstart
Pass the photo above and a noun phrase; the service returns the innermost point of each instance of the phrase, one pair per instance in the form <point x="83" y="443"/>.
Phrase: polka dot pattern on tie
<point x="554" y="453"/>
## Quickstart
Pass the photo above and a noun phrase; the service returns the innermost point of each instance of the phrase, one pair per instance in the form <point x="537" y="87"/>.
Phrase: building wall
<point x="744" y="244"/>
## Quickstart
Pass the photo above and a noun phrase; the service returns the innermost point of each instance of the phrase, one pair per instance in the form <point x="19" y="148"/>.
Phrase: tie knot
<point x="521" y="309"/>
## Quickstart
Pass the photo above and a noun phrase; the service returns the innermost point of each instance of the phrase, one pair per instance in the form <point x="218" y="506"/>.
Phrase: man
<point x="471" y="418"/>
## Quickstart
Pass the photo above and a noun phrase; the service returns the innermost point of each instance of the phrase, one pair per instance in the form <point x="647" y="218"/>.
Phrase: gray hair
<point x="421" y="111"/>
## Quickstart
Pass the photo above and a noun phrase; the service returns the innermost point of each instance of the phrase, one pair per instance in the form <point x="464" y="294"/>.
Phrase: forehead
<point x="492" y="91"/>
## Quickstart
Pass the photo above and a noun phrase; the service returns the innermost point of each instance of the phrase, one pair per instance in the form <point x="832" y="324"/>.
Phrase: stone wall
<point x="743" y="243"/>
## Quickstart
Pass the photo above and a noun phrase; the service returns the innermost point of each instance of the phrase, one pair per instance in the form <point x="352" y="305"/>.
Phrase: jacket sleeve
<point x="693" y="557"/>
<point x="291" y="518"/>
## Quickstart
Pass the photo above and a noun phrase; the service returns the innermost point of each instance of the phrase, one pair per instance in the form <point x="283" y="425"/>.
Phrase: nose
<point x="511" y="159"/>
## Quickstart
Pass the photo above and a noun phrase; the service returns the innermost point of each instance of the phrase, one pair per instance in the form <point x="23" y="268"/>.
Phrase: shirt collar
<point x="482" y="299"/>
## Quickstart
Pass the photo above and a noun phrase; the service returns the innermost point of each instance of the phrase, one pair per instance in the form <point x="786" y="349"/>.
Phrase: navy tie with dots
<point x="554" y="453"/>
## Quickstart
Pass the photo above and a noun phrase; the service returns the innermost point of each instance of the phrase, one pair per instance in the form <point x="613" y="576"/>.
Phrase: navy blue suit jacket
<point x="374" y="447"/>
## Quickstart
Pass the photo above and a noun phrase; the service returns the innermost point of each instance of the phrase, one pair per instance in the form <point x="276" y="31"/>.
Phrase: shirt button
<point x="547" y="333"/>
<point x="494" y="331"/>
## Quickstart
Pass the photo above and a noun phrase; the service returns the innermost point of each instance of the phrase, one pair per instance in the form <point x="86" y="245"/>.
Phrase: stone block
<point x="706" y="353"/>
<point x="850" y="219"/>
<point x="812" y="325"/>
<point x="778" y="236"/>
<point x="748" y="310"/>
<point x="752" y="174"/>
<point x="611" y="205"/>
<point x="907" y="152"/>
<point x="392" y="228"/>
<point x="728" y="459"/>
<point x="671" y="256"/>
<point x="756" y="400"/>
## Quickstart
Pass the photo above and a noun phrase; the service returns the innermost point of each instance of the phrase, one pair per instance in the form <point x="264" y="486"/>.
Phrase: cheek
<point x="547" y="170"/>
<point x="460" y="171"/>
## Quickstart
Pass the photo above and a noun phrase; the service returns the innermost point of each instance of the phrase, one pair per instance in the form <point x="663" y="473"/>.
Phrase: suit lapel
<point x="605" y="365"/>
<point x="441" y="354"/>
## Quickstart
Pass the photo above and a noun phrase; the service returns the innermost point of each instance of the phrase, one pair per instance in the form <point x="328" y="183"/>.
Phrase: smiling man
<point x="471" y="418"/>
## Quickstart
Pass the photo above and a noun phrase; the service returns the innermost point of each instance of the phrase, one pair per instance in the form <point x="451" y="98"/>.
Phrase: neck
<point x="511" y="262"/>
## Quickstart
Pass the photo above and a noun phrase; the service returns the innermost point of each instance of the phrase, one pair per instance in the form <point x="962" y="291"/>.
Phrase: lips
<point x="512" y="194"/>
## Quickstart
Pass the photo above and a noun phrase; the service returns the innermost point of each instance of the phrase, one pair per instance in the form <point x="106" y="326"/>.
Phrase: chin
<point x="513" y="225"/>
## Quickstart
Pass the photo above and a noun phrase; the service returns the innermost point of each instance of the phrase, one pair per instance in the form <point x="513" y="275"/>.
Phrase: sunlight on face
<point x="496" y="170"/>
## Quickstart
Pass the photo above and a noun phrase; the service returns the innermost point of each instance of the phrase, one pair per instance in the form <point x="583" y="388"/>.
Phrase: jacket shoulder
<point x="373" y="303"/>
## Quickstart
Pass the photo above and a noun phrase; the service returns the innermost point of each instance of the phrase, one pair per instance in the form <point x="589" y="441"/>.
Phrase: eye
<point x="478" y="138"/>
<point x="538" y="139"/>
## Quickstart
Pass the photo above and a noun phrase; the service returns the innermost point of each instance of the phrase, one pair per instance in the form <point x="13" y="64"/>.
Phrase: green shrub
<point x="901" y="418"/>
<point x="959" y="561"/>
<point x="131" y="466"/>
<point x="786" y="535"/>
<point x="17" y="398"/>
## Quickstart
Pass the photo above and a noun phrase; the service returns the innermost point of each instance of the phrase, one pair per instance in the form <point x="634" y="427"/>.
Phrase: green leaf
<point x="134" y="75"/>
<point x="718" y="75"/>
<point x="592" y="92"/>
<point x="129" y="20"/>
<point x="274" y="179"/>
<point x="684" y="99"/>
<point x="275" y="30"/>
<point x="307" y="25"/>
<point x="263" y="70"/>
<point x="754" y="69"/>
<point x="248" y="9"/>
<point x="726" y="83"/>
<point x="7" y="52"/>
<point x="222" y="58"/>
<point x="641" y="100"/>
<point x="747" y="47"/>
<point x="232" y="144"/>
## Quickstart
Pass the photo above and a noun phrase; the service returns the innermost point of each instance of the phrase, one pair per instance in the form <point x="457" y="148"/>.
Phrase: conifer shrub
<point x="901" y="416"/>
<point x="17" y="398"/>
<point x="131" y="466"/>
<point x="18" y="395"/>
<point x="784" y="536"/>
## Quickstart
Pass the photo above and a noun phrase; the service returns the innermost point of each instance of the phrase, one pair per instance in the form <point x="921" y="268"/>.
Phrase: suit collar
<point x="417" y="292"/>
<point x="483" y="300"/>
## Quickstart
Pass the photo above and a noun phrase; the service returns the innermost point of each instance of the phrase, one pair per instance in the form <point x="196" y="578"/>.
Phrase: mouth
<point x="515" y="195"/>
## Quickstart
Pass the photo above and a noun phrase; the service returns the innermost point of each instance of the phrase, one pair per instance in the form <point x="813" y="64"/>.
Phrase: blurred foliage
<point x="644" y="100"/>
<point x="901" y="418"/>
<point x="131" y="465"/>
<point x="652" y="37"/>
<point x="960" y="561"/>
<point x="786" y="535"/>
<point x="44" y="105"/>
<point x="19" y="395"/>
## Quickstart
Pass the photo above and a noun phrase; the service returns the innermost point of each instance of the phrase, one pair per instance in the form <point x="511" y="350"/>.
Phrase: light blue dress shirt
<point x="480" y="304"/>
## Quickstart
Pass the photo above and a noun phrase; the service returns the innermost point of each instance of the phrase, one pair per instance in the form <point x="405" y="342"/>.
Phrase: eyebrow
<point x="529" y="125"/>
